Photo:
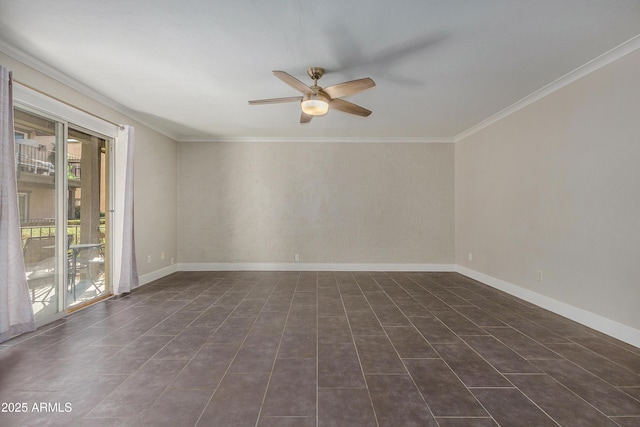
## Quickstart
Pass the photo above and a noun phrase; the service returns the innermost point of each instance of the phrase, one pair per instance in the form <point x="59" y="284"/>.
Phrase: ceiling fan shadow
<point x="349" y="54"/>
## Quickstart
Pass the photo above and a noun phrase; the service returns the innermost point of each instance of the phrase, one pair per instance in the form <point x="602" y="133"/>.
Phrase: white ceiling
<point x="188" y="67"/>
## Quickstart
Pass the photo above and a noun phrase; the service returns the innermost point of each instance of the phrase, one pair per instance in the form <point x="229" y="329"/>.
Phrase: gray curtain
<point x="16" y="312"/>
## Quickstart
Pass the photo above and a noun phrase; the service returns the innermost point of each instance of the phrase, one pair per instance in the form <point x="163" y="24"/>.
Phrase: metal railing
<point x="50" y="230"/>
<point x="37" y="159"/>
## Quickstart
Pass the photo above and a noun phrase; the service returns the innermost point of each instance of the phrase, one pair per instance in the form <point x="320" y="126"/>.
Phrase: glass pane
<point x="87" y="206"/>
<point x="36" y="143"/>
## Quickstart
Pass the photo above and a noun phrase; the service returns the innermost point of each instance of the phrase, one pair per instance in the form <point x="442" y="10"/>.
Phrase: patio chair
<point x="39" y="260"/>
<point x="90" y="259"/>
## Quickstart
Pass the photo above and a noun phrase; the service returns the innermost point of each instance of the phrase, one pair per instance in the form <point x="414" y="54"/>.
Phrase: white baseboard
<point x="158" y="274"/>
<point x="313" y="267"/>
<point x="602" y="324"/>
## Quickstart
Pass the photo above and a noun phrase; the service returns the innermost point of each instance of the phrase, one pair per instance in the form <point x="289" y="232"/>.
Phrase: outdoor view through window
<point x="62" y="188"/>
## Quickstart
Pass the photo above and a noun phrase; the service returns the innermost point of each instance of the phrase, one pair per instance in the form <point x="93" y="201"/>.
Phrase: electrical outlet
<point x="148" y="259"/>
<point x="296" y="257"/>
<point x="162" y="255"/>
<point x="173" y="260"/>
<point x="540" y="276"/>
<point x="470" y="256"/>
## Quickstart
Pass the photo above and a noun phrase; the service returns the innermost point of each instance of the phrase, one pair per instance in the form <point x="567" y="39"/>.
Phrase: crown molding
<point x="327" y="139"/>
<point x="74" y="84"/>
<point x="57" y="75"/>
<point x="582" y="71"/>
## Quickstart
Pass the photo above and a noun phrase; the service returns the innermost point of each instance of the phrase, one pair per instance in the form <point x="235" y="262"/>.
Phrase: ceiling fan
<point x="315" y="100"/>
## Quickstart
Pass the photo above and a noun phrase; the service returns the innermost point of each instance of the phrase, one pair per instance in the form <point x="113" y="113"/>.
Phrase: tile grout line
<point x="228" y="366"/>
<point x="353" y="340"/>
<point x="408" y="373"/>
<point x="150" y="358"/>
<point x="317" y="351"/>
<point x="447" y="363"/>
<point x="527" y="359"/>
<point x="275" y="359"/>
<point x="226" y="370"/>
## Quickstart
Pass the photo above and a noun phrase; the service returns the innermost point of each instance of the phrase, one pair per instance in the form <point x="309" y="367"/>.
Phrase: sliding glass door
<point x="38" y="143"/>
<point x="87" y="216"/>
<point x="62" y="187"/>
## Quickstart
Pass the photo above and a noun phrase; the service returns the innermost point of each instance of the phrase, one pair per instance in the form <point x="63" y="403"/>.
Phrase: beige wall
<point x="155" y="171"/>
<point x="327" y="202"/>
<point x="156" y="213"/>
<point x="555" y="188"/>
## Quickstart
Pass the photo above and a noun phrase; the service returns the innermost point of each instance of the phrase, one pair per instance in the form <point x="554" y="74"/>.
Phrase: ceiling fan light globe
<point x="315" y="105"/>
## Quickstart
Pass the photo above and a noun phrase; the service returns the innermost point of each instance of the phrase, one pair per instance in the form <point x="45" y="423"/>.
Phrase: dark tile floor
<point x="318" y="349"/>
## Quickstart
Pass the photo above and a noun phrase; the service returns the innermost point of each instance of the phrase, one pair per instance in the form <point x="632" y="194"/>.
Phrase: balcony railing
<point x="42" y="230"/>
<point x="35" y="158"/>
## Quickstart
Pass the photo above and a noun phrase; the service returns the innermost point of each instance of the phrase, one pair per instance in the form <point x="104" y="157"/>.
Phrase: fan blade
<point x="293" y="82"/>
<point x="276" y="100"/>
<point x="305" y="118"/>
<point x="349" y="88"/>
<point x="348" y="107"/>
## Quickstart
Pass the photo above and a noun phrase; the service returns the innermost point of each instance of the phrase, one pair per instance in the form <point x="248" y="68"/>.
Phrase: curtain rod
<point x="121" y="127"/>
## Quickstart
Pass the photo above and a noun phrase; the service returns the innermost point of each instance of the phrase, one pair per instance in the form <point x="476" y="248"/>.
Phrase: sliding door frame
<point x="65" y="115"/>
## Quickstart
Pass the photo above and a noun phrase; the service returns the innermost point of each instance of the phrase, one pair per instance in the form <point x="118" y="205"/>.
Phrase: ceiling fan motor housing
<point x="315" y="72"/>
